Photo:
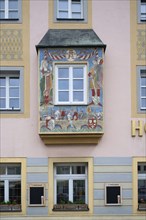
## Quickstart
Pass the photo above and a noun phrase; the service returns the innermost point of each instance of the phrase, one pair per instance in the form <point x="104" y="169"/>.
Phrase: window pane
<point x="14" y="169"/>
<point x="63" y="84"/>
<point x="2" y="92"/>
<point x="14" y="103"/>
<point x="78" y="169"/>
<point x="2" y="103"/>
<point x="76" y="15"/>
<point x="77" y="72"/>
<point x="3" y="81"/>
<point x="78" y="96"/>
<point x="2" y="15"/>
<point x="2" y="191"/>
<point x="14" y="81"/>
<point x="79" y="191"/>
<point x="13" y="4"/>
<point x="143" y="103"/>
<point x="14" y="92"/>
<point x="2" y="4"/>
<point x="143" y="81"/>
<point x="62" y="191"/>
<point x="63" y="4"/>
<point x="143" y="91"/>
<point x="62" y="170"/>
<point x="63" y="14"/>
<point x="13" y="14"/>
<point x="63" y="96"/>
<point x="78" y="84"/>
<point x="15" y="191"/>
<point x="2" y="169"/>
<point x="76" y="7"/>
<point x="63" y="73"/>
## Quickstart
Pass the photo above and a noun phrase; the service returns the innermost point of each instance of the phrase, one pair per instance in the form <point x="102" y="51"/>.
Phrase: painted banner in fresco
<point x="71" y="118"/>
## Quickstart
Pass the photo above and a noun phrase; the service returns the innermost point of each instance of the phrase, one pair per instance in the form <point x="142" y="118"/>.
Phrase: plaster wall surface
<point x="112" y="24"/>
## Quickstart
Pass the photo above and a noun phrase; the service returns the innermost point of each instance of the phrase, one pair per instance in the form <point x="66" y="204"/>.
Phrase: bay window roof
<point x="70" y="38"/>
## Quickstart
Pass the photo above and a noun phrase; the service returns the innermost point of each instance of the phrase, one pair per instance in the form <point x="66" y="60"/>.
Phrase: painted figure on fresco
<point x="71" y="118"/>
<point x="46" y="81"/>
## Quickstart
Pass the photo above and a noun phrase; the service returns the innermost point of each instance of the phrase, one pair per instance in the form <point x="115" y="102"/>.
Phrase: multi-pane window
<point x="141" y="185"/>
<point x="142" y="88"/>
<point x="70" y="183"/>
<point x="11" y="89"/>
<point x="70" y="9"/>
<point x="10" y="183"/>
<point x="9" y="9"/>
<point x="71" y="84"/>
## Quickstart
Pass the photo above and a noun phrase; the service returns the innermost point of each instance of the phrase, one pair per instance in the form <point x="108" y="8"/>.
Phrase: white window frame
<point x="6" y="11"/>
<point x="69" y="10"/>
<point x="8" y="72"/>
<point x="141" y="15"/>
<point x="37" y="185"/>
<point x="70" y="67"/>
<point x="119" y="197"/>
<point x="140" y="75"/>
<point x="7" y="178"/>
<point x="70" y="177"/>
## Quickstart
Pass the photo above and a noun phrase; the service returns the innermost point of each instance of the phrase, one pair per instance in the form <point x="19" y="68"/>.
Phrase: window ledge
<point x="10" y="208"/>
<point x="71" y="138"/>
<point x="71" y="207"/>
<point x="142" y="207"/>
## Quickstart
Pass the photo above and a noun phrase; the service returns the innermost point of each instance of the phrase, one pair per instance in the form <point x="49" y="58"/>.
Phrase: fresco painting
<point x="71" y="118"/>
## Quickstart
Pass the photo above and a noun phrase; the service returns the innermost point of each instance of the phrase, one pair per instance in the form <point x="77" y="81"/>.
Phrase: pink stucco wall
<point x="19" y="137"/>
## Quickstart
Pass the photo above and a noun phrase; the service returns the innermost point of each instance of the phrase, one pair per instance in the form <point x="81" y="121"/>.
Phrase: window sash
<point x="7" y="10"/>
<point x="8" y="88"/>
<point x="71" y="91"/>
<point x="70" y="12"/>
<point x="70" y="178"/>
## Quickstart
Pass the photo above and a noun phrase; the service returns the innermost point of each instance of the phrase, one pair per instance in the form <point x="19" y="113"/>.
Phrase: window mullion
<point x="69" y="9"/>
<point x="7" y="92"/>
<point x="71" y="189"/>
<point x="6" y="190"/>
<point x="6" y="8"/>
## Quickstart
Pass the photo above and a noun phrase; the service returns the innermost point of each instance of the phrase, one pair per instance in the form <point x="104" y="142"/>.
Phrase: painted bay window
<point x="71" y="84"/>
<point x="70" y="9"/>
<point x="10" y="187"/>
<point x="11" y="90"/>
<point x="70" y="183"/>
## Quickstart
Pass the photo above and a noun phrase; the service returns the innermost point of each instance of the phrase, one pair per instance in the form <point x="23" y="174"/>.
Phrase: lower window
<point x="142" y="186"/>
<point x="10" y="187"/>
<point x="70" y="187"/>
